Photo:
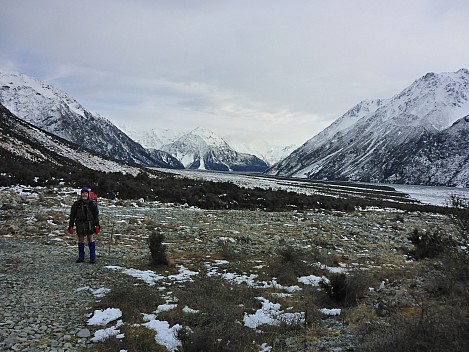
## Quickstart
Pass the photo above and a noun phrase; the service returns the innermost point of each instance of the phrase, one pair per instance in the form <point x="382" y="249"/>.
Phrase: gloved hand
<point x="71" y="230"/>
<point x="97" y="229"/>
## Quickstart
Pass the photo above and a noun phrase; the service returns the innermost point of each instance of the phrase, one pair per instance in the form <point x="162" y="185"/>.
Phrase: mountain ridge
<point x="24" y="140"/>
<point x="57" y="112"/>
<point x="361" y="144"/>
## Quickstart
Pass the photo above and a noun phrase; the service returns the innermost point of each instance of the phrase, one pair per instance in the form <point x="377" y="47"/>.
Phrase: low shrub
<point x="438" y="320"/>
<point x="348" y="289"/>
<point x="136" y="339"/>
<point x="286" y="266"/>
<point x="157" y="248"/>
<point x="430" y="244"/>
<point x="434" y="331"/>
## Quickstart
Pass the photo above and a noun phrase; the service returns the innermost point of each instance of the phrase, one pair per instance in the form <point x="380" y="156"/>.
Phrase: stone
<point x="84" y="333"/>
<point x="10" y="340"/>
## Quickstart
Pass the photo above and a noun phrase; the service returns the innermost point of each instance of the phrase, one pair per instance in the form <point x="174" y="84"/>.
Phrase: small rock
<point x="10" y="340"/>
<point x="83" y="333"/>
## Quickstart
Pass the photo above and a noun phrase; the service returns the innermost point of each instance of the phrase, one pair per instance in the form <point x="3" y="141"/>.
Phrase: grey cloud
<point x="288" y="68"/>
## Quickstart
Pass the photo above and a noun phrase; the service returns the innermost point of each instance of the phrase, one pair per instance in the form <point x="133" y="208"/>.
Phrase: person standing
<point x="84" y="214"/>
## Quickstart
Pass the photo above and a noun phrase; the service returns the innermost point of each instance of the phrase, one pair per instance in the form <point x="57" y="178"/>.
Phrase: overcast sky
<point x="273" y="70"/>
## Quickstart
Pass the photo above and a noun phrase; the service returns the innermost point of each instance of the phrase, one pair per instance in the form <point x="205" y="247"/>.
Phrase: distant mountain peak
<point x="203" y="149"/>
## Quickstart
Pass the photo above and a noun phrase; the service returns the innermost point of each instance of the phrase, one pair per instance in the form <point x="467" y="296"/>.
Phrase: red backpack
<point x="94" y="197"/>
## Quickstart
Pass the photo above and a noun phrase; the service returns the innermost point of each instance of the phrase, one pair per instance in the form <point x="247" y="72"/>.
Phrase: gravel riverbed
<point x="41" y="306"/>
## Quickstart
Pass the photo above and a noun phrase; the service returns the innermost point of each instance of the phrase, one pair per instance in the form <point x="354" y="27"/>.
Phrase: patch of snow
<point x="331" y="312"/>
<point x="270" y="314"/>
<point x="103" y="317"/>
<point x="165" y="335"/>
<point x="103" y="334"/>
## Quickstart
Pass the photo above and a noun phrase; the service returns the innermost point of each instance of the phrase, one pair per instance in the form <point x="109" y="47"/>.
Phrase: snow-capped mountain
<point x="202" y="149"/>
<point x="264" y="150"/>
<point x="154" y="138"/>
<point x="409" y="138"/>
<point x="60" y="114"/>
<point x="22" y="140"/>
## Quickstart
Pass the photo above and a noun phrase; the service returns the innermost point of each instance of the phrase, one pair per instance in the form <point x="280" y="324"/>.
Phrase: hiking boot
<point x="92" y="260"/>
<point x="80" y="260"/>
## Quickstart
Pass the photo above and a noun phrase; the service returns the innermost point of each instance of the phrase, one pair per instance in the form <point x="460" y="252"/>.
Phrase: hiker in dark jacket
<point x="85" y="216"/>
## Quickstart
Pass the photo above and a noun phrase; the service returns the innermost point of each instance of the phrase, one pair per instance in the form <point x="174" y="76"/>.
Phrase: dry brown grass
<point x="436" y="319"/>
<point x="359" y="315"/>
<point x="132" y="300"/>
<point x="136" y="339"/>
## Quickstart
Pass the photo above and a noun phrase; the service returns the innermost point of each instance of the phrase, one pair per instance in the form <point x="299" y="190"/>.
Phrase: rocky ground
<point x="46" y="298"/>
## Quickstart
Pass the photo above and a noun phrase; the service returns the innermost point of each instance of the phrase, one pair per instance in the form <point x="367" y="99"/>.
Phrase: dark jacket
<point x="85" y="216"/>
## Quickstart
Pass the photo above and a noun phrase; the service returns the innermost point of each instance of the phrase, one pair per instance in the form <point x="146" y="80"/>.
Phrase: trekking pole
<point x="109" y="246"/>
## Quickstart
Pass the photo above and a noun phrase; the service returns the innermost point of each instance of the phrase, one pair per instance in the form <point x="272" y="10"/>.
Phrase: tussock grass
<point x="132" y="300"/>
<point x="433" y="330"/>
<point x="289" y="263"/>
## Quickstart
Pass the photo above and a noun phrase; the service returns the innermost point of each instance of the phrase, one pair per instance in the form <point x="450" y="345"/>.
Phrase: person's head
<point x="85" y="193"/>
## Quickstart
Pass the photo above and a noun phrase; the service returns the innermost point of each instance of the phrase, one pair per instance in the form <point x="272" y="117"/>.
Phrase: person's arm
<point x="73" y="215"/>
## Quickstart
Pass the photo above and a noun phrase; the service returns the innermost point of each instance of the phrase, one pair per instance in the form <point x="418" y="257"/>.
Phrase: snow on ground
<point x="166" y="335"/>
<point x="332" y="312"/>
<point x="98" y="293"/>
<point x="432" y="195"/>
<point x="271" y="314"/>
<point x="103" y="317"/>
<point x="103" y="334"/>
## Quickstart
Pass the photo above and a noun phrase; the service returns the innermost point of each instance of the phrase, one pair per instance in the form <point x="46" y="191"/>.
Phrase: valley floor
<point x="279" y="260"/>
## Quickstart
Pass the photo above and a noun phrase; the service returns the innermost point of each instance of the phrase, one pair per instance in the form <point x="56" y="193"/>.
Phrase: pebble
<point x="83" y="333"/>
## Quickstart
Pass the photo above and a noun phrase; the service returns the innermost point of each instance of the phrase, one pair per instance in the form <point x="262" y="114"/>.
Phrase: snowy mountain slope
<point x="362" y="144"/>
<point x="436" y="159"/>
<point x="202" y="149"/>
<point x="58" y="113"/>
<point x="25" y="141"/>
